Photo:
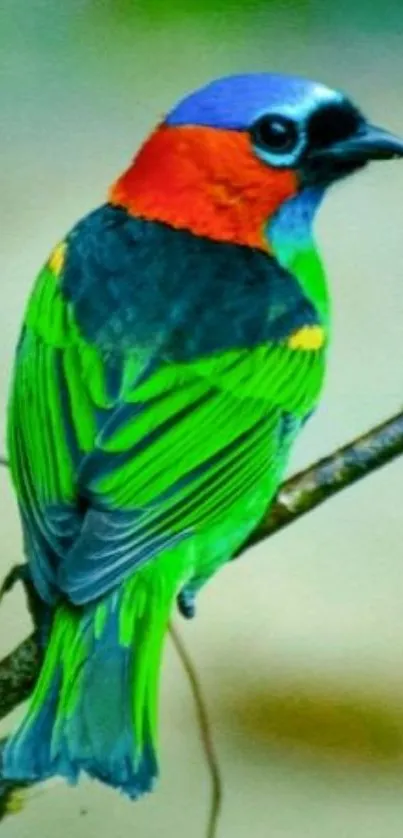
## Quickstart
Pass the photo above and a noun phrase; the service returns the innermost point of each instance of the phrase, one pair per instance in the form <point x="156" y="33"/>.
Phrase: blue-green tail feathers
<point x="94" y="708"/>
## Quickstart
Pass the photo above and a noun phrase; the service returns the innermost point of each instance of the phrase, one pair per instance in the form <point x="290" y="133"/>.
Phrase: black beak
<point x="327" y="163"/>
<point x="368" y="143"/>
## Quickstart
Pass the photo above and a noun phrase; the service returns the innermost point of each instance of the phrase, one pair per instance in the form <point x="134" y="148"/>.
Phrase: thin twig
<point x="205" y="732"/>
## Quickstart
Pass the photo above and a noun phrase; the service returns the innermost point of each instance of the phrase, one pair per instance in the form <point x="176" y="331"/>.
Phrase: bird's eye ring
<point x="275" y="133"/>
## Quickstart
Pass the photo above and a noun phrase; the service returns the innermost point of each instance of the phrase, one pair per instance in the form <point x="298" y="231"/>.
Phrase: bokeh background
<point x="300" y="644"/>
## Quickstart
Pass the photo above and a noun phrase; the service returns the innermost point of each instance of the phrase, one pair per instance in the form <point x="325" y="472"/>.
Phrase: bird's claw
<point x="16" y="574"/>
<point x="186" y="603"/>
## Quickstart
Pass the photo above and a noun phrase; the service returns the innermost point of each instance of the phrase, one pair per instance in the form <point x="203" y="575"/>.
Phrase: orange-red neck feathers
<point x="204" y="180"/>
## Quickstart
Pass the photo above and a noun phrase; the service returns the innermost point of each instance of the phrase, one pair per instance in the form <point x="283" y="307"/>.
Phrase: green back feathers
<point x="143" y="453"/>
<point x="160" y="448"/>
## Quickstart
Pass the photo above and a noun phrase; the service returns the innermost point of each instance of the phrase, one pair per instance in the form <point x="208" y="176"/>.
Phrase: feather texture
<point x="143" y="451"/>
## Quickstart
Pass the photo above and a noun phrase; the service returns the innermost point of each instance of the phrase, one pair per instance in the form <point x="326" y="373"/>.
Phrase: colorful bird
<point x="173" y="346"/>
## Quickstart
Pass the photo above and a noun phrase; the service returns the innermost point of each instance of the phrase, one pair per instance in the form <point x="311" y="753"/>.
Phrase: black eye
<point x="275" y="133"/>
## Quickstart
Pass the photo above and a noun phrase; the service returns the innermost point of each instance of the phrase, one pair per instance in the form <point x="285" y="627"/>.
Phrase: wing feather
<point x="119" y="453"/>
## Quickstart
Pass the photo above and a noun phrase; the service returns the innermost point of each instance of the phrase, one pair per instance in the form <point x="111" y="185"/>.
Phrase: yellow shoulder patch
<point x="57" y="258"/>
<point x="307" y="338"/>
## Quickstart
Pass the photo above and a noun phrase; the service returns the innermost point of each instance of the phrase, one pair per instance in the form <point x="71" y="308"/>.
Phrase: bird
<point x="173" y="347"/>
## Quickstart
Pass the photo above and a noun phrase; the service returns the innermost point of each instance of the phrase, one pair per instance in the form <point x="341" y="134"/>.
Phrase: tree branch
<point x="297" y="496"/>
<point x="17" y="675"/>
<point x="309" y="488"/>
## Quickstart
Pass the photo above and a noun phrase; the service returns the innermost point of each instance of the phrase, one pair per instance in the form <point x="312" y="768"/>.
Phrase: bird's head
<point x="230" y="156"/>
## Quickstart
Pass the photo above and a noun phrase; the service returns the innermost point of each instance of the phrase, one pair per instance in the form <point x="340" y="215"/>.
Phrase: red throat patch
<point x="204" y="180"/>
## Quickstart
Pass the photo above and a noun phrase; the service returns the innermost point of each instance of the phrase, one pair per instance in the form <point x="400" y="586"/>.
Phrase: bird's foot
<point x="20" y="573"/>
<point x="186" y="603"/>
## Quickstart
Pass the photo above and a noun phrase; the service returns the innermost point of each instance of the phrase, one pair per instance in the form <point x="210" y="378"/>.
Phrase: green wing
<point x="116" y="458"/>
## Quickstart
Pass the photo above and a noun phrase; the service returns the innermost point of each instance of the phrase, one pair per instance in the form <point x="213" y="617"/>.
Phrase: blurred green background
<point x="300" y="644"/>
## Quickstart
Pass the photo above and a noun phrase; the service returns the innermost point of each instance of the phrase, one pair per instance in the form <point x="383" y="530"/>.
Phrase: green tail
<point x="94" y="708"/>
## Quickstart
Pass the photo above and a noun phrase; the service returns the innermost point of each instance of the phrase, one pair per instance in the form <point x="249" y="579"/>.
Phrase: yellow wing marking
<point x="57" y="258"/>
<point x="307" y="338"/>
